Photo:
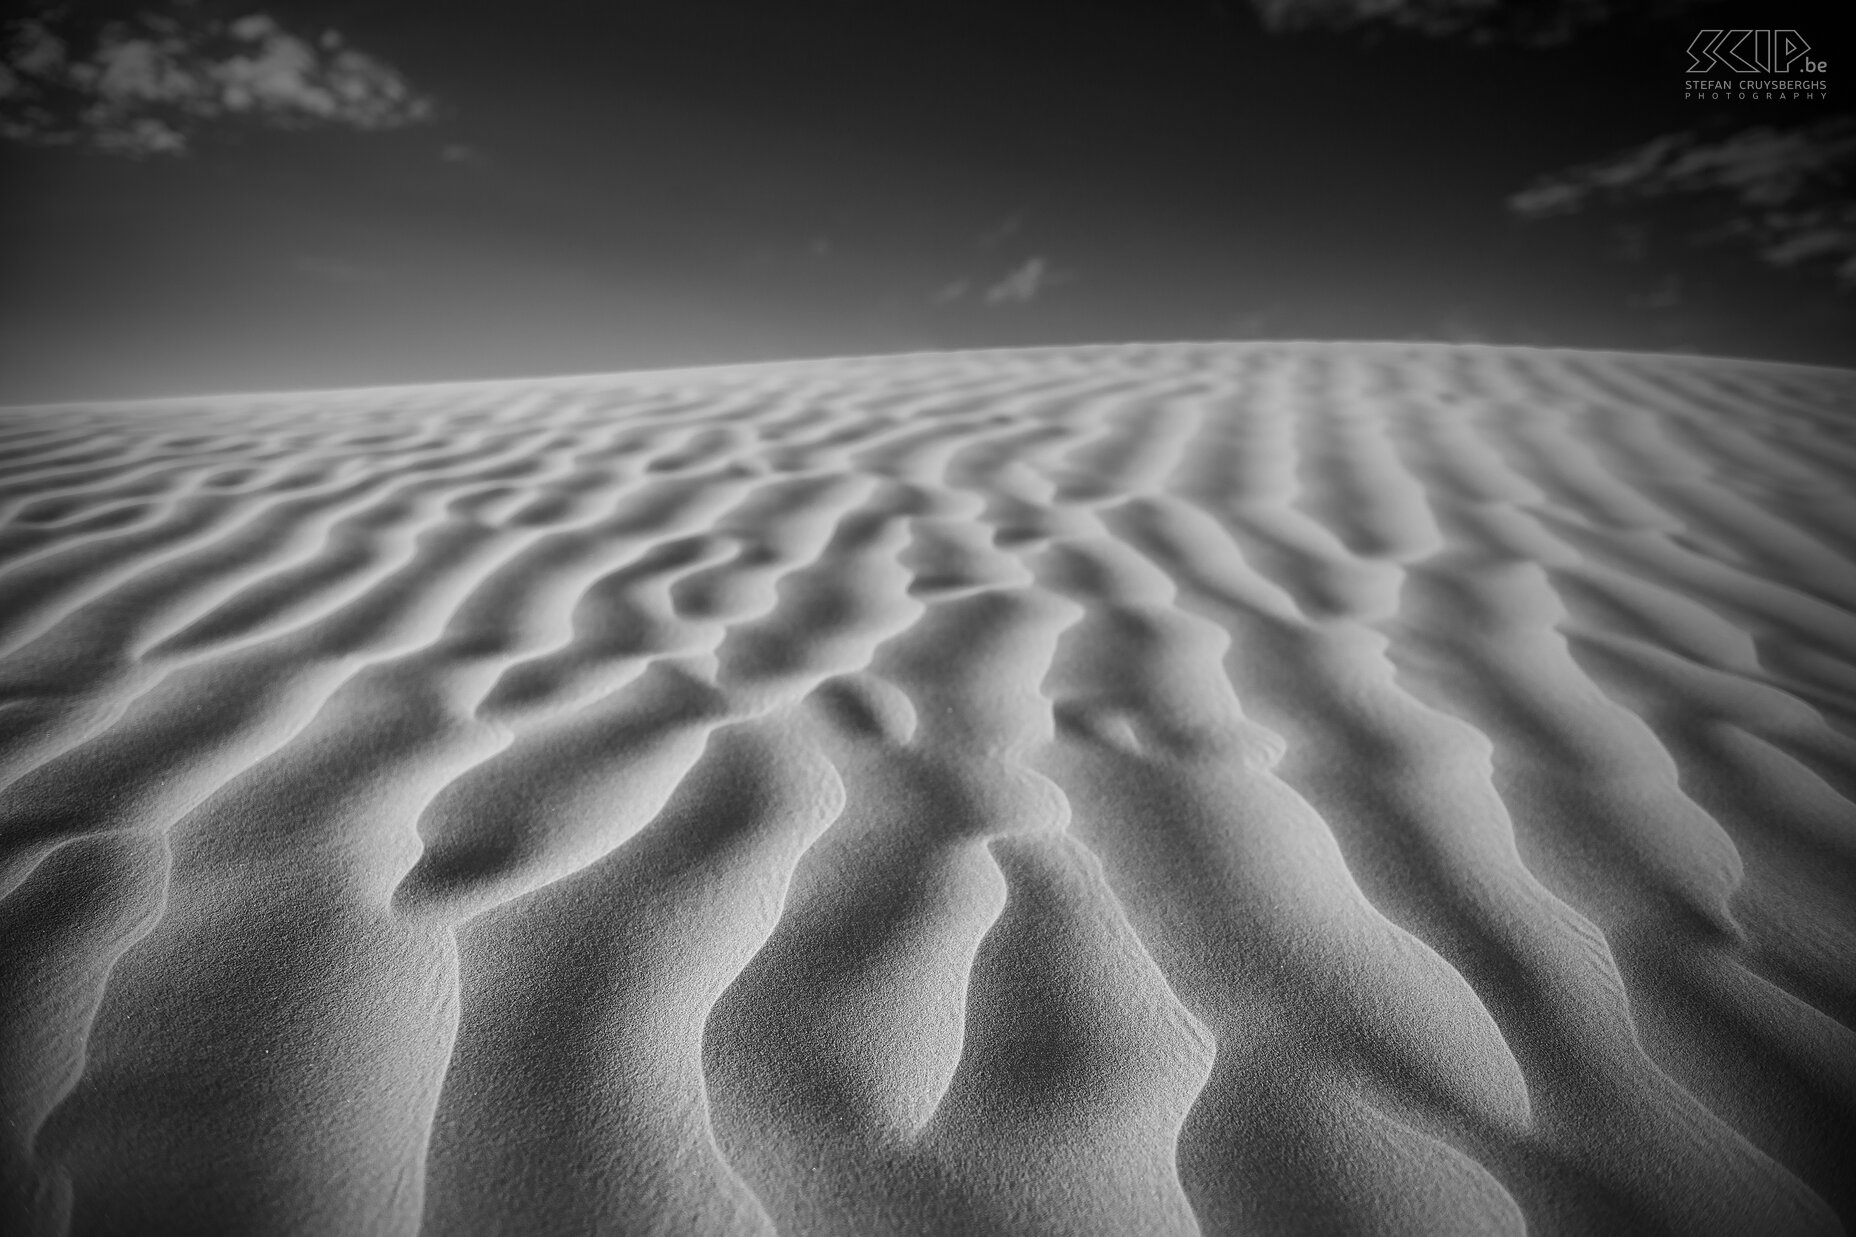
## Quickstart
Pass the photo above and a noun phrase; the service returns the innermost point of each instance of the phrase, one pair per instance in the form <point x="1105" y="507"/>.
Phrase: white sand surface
<point x="1222" y="788"/>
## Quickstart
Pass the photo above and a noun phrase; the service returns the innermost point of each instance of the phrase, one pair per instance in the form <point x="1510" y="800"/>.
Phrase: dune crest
<point x="1200" y="788"/>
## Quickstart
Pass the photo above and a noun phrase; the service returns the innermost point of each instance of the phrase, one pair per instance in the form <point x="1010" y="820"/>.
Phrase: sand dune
<point x="1154" y="789"/>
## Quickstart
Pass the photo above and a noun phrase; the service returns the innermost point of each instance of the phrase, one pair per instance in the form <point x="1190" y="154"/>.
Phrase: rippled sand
<point x="1223" y="788"/>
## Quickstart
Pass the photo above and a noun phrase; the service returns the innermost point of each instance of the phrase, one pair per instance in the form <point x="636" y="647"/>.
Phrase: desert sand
<point x="1220" y="788"/>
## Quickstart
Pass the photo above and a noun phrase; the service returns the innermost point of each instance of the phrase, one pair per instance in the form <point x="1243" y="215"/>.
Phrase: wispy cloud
<point x="1021" y="285"/>
<point x="148" y="84"/>
<point x="1784" y="191"/>
<point x="1024" y="283"/>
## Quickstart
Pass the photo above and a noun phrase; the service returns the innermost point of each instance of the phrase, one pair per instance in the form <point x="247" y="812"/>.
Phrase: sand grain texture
<point x="1153" y="789"/>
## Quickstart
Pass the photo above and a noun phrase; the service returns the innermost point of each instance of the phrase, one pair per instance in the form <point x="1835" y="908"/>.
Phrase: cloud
<point x="1539" y="23"/>
<point x="1021" y="285"/>
<point x="1783" y="191"/>
<point x="1025" y="283"/>
<point x="148" y="84"/>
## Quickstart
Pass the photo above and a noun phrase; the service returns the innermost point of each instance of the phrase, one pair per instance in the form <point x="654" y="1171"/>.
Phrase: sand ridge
<point x="1208" y="788"/>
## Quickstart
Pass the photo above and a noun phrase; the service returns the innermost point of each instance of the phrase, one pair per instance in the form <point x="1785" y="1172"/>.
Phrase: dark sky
<point x="630" y="185"/>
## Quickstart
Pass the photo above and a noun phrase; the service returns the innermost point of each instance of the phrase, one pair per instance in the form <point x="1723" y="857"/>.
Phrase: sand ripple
<point x="1163" y="789"/>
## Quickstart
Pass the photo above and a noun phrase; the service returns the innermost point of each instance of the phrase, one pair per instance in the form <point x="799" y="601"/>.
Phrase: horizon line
<point x="363" y="389"/>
